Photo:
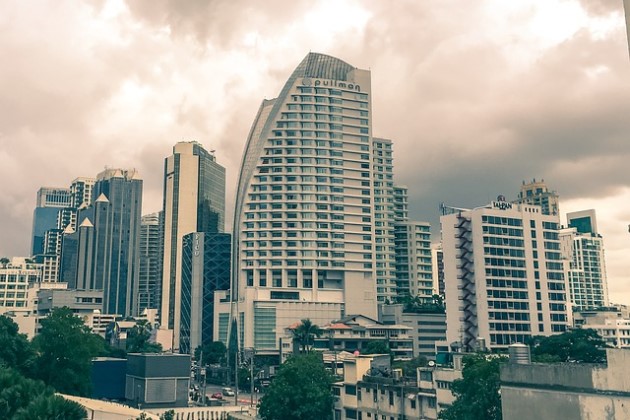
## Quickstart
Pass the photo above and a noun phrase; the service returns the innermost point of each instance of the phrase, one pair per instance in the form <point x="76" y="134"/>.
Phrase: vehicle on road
<point x="227" y="392"/>
<point x="217" y="396"/>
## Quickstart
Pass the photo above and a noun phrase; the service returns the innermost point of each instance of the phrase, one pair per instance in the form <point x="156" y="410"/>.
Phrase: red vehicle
<point x="217" y="395"/>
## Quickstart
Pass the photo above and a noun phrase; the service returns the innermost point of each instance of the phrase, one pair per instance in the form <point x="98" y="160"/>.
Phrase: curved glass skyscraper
<point x="305" y="234"/>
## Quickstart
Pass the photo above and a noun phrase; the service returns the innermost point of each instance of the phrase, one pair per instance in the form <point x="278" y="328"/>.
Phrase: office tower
<point x="108" y="242"/>
<point x="504" y="275"/>
<point x="151" y="254"/>
<point x="583" y="247"/>
<point x="205" y="269"/>
<point x="49" y="201"/>
<point x="81" y="192"/>
<point x="536" y="193"/>
<point x="386" y="287"/>
<point x="304" y="231"/>
<point x="194" y="201"/>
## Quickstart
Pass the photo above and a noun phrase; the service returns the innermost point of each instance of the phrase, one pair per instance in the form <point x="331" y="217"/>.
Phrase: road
<point x="244" y="398"/>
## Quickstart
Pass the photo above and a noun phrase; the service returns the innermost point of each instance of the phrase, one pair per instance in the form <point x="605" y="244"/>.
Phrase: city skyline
<point x="476" y="98"/>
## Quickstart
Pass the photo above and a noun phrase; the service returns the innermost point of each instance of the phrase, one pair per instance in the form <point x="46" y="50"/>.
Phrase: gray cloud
<point x="473" y="105"/>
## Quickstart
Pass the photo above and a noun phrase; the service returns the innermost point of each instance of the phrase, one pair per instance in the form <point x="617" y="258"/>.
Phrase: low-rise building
<point x="426" y="327"/>
<point x="157" y="380"/>
<point x="612" y="324"/>
<point x="568" y="390"/>
<point x="355" y="332"/>
<point x="372" y="390"/>
<point x="15" y="277"/>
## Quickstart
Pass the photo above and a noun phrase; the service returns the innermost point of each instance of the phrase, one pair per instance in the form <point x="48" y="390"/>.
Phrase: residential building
<point x="583" y="247"/>
<point x="567" y="390"/>
<point x="151" y="254"/>
<point x="437" y="268"/>
<point x="205" y="269"/>
<point x="612" y="324"/>
<point x="81" y="192"/>
<point x="384" y="212"/>
<point x="107" y="242"/>
<point x="435" y="381"/>
<point x="427" y="325"/>
<point x="371" y="389"/>
<point x="16" y="276"/>
<point x="304" y="223"/>
<point x="356" y="332"/>
<point x="194" y="201"/>
<point x="538" y="194"/>
<point x="504" y="275"/>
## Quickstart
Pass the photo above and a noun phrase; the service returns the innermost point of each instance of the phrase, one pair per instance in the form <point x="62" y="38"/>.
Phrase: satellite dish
<point x="431" y="363"/>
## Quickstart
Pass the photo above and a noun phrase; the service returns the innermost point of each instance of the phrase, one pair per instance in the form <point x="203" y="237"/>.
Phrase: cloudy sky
<point x="477" y="95"/>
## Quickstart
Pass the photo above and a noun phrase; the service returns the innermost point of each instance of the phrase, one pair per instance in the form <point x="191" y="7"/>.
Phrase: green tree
<point x="213" y="353"/>
<point x="4" y="261"/>
<point x="410" y="367"/>
<point x="15" y="349"/>
<point x="138" y="339"/>
<point x="305" y="334"/>
<point x="301" y="390"/>
<point x="578" y="345"/>
<point x="65" y="349"/>
<point x="376" y="347"/>
<point x="477" y="393"/>
<point x="46" y="407"/>
<point x="17" y="392"/>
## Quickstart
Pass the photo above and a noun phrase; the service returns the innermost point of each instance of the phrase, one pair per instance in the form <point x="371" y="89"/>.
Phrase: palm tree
<point x="305" y="334"/>
<point x="4" y="261"/>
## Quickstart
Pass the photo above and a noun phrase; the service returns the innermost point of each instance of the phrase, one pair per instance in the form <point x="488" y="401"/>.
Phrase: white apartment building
<point x="15" y="277"/>
<point x="504" y="275"/>
<point x="304" y="224"/>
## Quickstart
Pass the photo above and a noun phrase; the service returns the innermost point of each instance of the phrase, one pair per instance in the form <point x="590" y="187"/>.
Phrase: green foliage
<point x="420" y="305"/>
<point x="301" y="390"/>
<point x="138" y="339"/>
<point x="579" y="345"/>
<point x="51" y="407"/>
<point x="213" y="353"/>
<point x="168" y="415"/>
<point x="410" y="367"/>
<point x="305" y="334"/>
<point x="22" y="399"/>
<point x="15" y="349"/>
<point x="243" y="379"/>
<point x="477" y="393"/>
<point x="66" y="347"/>
<point x="376" y="347"/>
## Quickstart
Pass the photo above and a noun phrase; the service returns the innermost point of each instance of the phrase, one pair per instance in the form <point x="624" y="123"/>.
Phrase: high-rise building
<point x="414" y="274"/>
<point x="194" y="201"/>
<point x="81" y="191"/>
<point x="205" y="269"/>
<point x="304" y="223"/>
<point x="504" y="275"/>
<point x="437" y="262"/>
<point x="108" y="242"/>
<point x="49" y="201"/>
<point x="151" y="254"/>
<point x="537" y="193"/>
<point x="583" y="247"/>
<point x="384" y="212"/>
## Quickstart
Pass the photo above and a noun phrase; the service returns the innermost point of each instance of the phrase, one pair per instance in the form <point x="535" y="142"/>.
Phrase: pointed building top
<point x="68" y="230"/>
<point x="86" y="223"/>
<point x="102" y="199"/>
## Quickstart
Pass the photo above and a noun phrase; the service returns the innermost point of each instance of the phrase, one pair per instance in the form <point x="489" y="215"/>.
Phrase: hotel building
<point x="504" y="275"/>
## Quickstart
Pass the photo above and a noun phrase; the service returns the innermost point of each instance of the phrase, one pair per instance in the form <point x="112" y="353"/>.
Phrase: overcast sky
<point x="476" y="95"/>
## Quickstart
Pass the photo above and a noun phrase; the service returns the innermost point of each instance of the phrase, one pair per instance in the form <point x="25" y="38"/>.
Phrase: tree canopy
<point x="15" y="349"/>
<point x="477" y="393"/>
<point x="212" y="353"/>
<point x="22" y="399"/>
<point x="578" y="345"/>
<point x="65" y="349"/>
<point x="305" y="334"/>
<point x="301" y="390"/>
<point x="138" y="339"/>
<point x="376" y="347"/>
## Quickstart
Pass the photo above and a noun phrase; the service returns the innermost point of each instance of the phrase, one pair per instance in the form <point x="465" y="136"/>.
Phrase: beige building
<point x="568" y="391"/>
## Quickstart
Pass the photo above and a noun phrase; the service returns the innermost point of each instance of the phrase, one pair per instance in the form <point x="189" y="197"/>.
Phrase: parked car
<point x="217" y="396"/>
<point x="228" y="392"/>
